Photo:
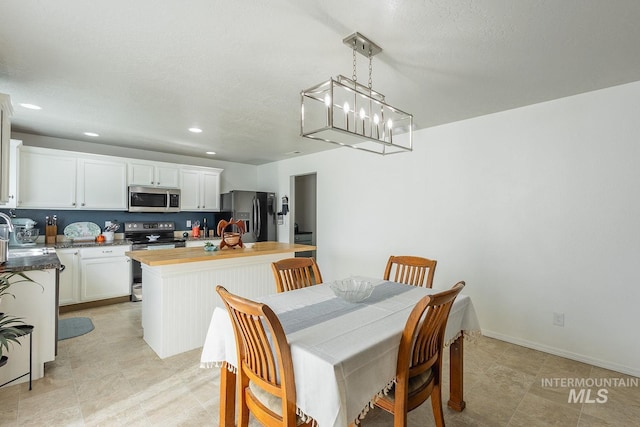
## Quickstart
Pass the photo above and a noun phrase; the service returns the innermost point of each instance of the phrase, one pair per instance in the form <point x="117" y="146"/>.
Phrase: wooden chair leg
<point x="436" y="405"/>
<point x="227" y="397"/>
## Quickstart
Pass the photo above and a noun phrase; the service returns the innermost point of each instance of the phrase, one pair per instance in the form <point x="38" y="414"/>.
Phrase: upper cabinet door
<point x="46" y="179"/>
<point x="167" y="176"/>
<point x="141" y="174"/>
<point x="102" y="184"/>
<point x="13" y="175"/>
<point x="211" y="191"/>
<point x="156" y="175"/>
<point x="189" y="190"/>
<point x="200" y="189"/>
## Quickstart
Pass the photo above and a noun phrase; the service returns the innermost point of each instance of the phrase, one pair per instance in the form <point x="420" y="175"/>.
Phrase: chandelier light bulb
<point x="327" y="100"/>
<point x="376" y="121"/>
<point x="345" y="108"/>
<point x="362" y="114"/>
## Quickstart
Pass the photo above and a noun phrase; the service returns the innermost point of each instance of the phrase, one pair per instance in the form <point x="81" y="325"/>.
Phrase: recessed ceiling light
<point x="31" y="106"/>
<point x="211" y="152"/>
<point x="195" y="130"/>
<point x="91" y="134"/>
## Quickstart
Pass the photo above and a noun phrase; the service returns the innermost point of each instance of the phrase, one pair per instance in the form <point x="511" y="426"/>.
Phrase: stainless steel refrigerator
<point x="257" y="209"/>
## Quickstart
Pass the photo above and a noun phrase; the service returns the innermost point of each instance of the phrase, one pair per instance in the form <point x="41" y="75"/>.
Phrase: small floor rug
<point x="74" y="327"/>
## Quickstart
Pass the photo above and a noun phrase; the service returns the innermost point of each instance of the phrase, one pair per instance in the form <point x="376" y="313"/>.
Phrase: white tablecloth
<point x="343" y="354"/>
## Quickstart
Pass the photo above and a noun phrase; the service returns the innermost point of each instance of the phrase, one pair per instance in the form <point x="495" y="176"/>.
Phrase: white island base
<point x="179" y="299"/>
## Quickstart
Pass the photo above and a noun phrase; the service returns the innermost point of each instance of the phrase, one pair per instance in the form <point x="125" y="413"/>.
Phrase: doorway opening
<point x="303" y="215"/>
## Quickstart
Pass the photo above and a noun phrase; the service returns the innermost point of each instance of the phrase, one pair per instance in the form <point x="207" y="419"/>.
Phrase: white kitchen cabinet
<point x="50" y="179"/>
<point x="13" y="175"/>
<point x="102" y="184"/>
<point x="200" y="189"/>
<point x="156" y="175"/>
<point x="69" y="289"/>
<point x="5" y="137"/>
<point x="46" y="178"/>
<point x="105" y="272"/>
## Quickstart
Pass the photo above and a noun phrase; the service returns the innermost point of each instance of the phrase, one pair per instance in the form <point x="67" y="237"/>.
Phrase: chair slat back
<point x="423" y="336"/>
<point x="295" y="273"/>
<point x="264" y="357"/>
<point x="411" y="270"/>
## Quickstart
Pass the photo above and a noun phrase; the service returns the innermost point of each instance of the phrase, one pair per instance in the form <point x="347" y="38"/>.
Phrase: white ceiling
<point x="140" y="73"/>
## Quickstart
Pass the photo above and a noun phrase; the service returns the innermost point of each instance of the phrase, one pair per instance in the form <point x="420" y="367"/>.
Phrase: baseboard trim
<point x="92" y="304"/>
<point x="563" y="353"/>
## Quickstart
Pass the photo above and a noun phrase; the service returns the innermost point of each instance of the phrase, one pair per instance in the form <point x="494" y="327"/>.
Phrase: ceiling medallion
<point x="344" y="112"/>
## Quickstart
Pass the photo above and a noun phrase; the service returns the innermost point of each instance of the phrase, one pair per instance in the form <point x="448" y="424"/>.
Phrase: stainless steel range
<point x="148" y="235"/>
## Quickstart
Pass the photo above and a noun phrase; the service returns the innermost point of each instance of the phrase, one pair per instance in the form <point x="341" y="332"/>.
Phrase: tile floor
<point x="110" y="377"/>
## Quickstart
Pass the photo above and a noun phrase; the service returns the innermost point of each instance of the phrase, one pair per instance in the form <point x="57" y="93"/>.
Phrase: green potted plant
<point x="9" y="332"/>
<point x="11" y="327"/>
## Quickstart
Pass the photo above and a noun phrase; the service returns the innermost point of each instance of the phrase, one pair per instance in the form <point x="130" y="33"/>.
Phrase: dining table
<point x="344" y="354"/>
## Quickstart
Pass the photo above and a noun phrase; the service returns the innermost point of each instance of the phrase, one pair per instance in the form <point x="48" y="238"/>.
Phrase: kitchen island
<point x="179" y="284"/>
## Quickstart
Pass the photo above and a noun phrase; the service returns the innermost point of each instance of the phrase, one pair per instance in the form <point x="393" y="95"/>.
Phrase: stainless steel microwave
<point x="153" y="199"/>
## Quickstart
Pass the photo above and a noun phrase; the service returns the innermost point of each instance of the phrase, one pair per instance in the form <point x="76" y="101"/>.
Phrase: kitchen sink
<point x="26" y="252"/>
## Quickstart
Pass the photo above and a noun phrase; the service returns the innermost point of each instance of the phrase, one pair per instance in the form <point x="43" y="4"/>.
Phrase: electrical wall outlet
<point x="558" y="319"/>
<point x="188" y="223"/>
<point x="107" y="223"/>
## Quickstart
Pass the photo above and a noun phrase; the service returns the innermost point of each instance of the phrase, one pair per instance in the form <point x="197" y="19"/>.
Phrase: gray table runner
<point x="310" y="315"/>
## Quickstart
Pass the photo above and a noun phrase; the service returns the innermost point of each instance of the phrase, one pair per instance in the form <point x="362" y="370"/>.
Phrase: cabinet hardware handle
<point x="11" y="197"/>
<point x="82" y="204"/>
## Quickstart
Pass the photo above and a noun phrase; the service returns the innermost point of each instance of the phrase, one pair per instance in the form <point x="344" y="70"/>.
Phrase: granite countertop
<point x="49" y="260"/>
<point x="201" y="239"/>
<point x="27" y="263"/>
<point x="185" y="255"/>
<point x="90" y="244"/>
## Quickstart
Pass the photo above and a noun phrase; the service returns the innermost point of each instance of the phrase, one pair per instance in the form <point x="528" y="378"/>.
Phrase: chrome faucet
<point x="8" y="220"/>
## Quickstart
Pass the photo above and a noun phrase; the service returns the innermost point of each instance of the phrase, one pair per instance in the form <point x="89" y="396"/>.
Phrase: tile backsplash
<point x="66" y="217"/>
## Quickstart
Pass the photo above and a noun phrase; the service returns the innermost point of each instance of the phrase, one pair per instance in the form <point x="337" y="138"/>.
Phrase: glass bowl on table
<point x="352" y="289"/>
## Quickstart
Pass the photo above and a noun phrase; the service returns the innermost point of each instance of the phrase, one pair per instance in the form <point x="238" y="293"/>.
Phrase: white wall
<point x="536" y="208"/>
<point x="235" y="176"/>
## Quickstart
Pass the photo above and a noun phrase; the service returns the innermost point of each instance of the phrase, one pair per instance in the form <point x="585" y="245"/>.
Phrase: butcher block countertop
<point x="197" y="254"/>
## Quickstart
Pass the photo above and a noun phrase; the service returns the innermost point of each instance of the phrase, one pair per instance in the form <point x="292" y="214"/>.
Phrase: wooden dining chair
<point x="419" y="366"/>
<point x="265" y="371"/>
<point x="411" y="270"/>
<point x="295" y="273"/>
